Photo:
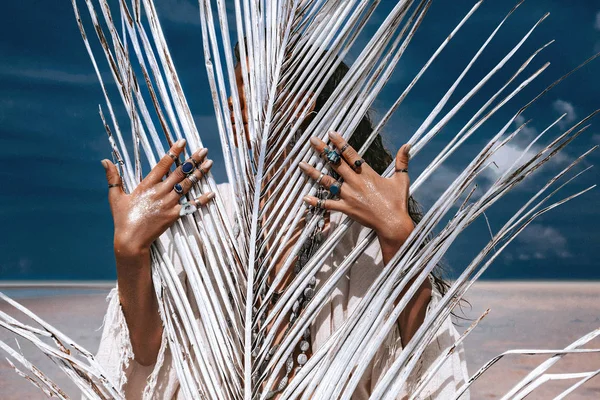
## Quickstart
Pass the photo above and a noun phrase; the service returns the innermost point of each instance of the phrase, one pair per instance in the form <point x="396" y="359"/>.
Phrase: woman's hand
<point x="369" y="199"/>
<point x="380" y="204"/>
<point x="142" y="216"/>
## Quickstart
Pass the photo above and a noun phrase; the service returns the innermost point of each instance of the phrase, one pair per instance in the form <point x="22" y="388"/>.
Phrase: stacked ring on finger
<point x="193" y="178"/>
<point x="320" y="204"/>
<point x="173" y="156"/>
<point x="332" y="156"/>
<point x="356" y="164"/>
<point x="320" y="178"/>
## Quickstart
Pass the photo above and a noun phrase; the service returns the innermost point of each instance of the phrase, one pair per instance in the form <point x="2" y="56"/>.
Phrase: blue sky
<point x="55" y="221"/>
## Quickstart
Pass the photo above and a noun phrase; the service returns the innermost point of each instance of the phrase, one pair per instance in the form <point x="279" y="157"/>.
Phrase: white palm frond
<point x="292" y="48"/>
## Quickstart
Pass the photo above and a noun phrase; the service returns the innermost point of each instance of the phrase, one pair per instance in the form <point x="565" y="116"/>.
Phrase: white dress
<point x="159" y="381"/>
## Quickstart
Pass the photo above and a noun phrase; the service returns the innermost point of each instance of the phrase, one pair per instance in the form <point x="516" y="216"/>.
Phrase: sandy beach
<point x="523" y="315"/>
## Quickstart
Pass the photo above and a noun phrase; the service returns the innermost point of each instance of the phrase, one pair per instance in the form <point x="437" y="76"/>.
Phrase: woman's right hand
<point x="145" y="214"/>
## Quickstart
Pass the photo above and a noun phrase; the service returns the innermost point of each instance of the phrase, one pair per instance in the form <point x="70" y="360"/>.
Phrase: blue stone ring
<point x="335" y="188"/>
<point x="332" y="156"/>
<point x="178" y="188"/>
<point x="188" y="166"/>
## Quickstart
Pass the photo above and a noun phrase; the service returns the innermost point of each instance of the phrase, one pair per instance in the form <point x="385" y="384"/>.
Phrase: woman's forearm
<point x="139" y="303"/>
<point x="141" y="217"/>
<point x="413" y="314"/>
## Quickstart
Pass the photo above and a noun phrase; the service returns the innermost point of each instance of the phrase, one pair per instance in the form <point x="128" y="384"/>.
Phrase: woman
<point x="133" y="347"/>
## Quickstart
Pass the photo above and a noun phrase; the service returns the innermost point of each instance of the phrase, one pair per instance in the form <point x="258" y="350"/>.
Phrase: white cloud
<point x="597" y="25"/>
<point x="563" y="107"/>
<point x="528" y="132"/>
<point x="540" y="242"/>
<point x="431" y="190"/>
<point x="504" y="158"/>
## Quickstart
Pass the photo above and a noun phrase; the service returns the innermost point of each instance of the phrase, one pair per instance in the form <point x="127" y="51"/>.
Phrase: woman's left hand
<point x="365" y="196"/>
<point x="380" y="204"/>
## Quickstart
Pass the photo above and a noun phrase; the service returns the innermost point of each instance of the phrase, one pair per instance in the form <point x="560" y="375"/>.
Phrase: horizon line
<point x="103" y="284"/>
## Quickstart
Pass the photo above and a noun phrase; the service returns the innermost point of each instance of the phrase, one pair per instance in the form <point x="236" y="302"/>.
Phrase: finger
<point x="401" y="175"/>
<point x="314" y="174"/>
<point x="181" y="188"/>
<point x="204" y="199"/>
<point x="196" y="203"/>
<point x="342" y="168"/>
<point x="164" y="164"/>
<point x="113" y="178"/>
<point x="402" y="157"/>
<point x="331" y="205"/>
<point x="180" y="172"/>
<point x="354" y="160"/>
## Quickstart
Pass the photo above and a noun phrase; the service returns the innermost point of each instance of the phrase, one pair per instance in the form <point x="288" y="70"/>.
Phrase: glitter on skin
<point x="144" y="205"/>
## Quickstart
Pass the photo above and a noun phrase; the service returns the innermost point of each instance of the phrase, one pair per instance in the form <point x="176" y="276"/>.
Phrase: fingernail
<point x="306" y="199"/>
<point x="210" y="195"/>
<point x="104" y="164"/>
<point x="334" y="135"/>
<point x="180" y="143"/>
<point x="315" y="140"/>
<point x="303" y="166"/>
<point x="208" y="164"/>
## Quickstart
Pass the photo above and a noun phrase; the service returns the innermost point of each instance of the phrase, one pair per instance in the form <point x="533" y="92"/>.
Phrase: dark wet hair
<point x="377" y="156"/>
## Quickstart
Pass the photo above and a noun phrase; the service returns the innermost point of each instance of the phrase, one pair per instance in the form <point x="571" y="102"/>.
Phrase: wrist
<point x="128" y="249"/>
<point x="392" y="236"/>
<point x="394" y="233"/>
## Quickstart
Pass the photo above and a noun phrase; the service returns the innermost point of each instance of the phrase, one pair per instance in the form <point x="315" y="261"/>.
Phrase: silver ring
<point x="320" y="178"/>
<point x="112" y="185"/>
<point x="320" y="203"/>
<point x="402" y="170"/>
<point x="344" y="147"/>
<point x="193" y="178"/>
<point x="173" y="156"/>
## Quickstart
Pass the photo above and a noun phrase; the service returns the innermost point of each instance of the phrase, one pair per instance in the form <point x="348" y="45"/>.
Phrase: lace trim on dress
<point x="120" y="331"/>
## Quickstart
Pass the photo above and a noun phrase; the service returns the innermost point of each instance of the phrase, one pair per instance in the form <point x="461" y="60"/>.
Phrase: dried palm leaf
<point x="292" y="48"/>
